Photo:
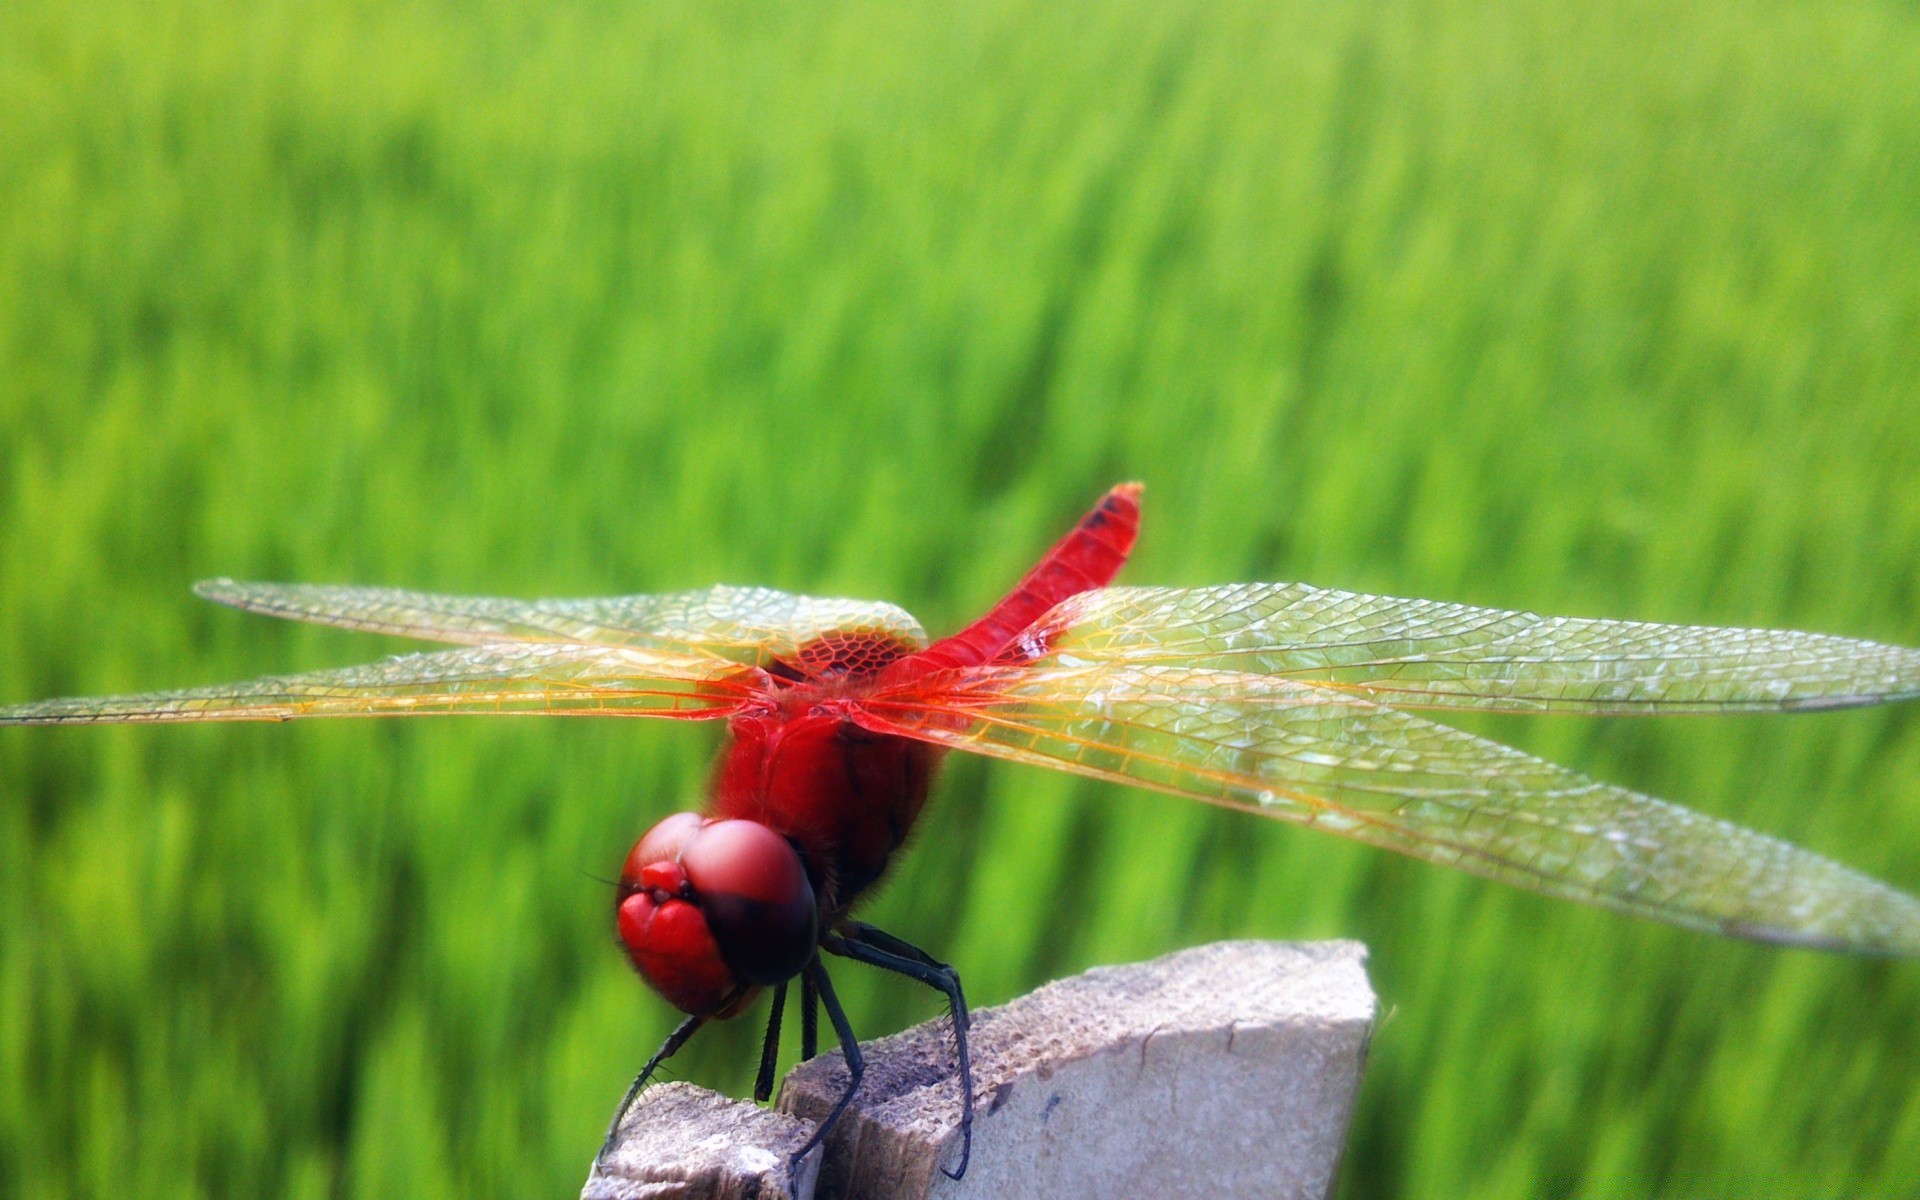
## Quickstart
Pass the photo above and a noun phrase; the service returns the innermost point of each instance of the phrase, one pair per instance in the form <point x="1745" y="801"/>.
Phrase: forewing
<point x="558" y="678"/>
<point x="1335" y="760"/>
<point x="1423" y="653"/>
<point x="752" y="626"/>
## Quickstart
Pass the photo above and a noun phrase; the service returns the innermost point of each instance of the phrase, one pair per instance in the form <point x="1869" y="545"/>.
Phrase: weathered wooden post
<point x="1228" y="1069"/>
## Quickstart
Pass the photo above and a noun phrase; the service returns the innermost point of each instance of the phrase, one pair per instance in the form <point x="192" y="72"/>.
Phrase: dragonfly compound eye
<point x="708" y="910"/>
<point x="757" y="898"/>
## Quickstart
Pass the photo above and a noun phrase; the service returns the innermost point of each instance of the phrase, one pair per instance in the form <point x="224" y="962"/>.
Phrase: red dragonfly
<point x="1281" y="699"/>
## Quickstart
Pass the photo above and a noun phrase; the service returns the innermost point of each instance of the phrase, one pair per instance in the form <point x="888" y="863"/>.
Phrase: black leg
<point x="880" y="938"/>
<point x="856" y="1066"/>
<point x="864" y="943"/>
<point x="675" y="1040"/>
<point x="809" y="1019"/>
<point x="770" y="1049"/>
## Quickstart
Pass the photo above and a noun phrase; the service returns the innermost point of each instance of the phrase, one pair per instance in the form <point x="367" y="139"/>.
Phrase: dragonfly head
<point x="709" y="910"/>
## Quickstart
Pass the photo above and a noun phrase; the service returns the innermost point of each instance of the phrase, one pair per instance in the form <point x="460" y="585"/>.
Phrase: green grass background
<point x="1603" y="307"/>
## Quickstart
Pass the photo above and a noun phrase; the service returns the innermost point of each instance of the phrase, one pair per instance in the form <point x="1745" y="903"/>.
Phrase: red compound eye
<point x="662" y="843"/>
<point x="757" y="898"/>
<point x="673" y="951"/>
<point x="708" y="910"/>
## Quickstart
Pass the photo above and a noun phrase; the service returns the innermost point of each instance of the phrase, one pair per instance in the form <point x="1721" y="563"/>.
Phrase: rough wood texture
<point x="681" y="1142"/>
<point x="1227" y="1070"/>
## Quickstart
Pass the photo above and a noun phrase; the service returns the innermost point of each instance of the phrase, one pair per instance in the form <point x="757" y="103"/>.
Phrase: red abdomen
<point x="848" y="796"/>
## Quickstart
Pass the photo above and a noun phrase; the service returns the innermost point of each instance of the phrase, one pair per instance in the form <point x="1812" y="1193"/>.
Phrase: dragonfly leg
<point x="856" y="1066"/>
<point x="809" y="1018"/>
<point x="675" y="1040"/>
<point x="770" y="1049"/>
<point x="864" y="943"/>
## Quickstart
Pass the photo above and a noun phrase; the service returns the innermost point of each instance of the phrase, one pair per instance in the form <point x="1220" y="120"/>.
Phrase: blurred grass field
<point x="1596" y="307"/>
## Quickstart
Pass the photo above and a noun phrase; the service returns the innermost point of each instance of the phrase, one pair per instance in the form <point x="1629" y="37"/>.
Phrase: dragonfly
<point x="1291" y="701"/>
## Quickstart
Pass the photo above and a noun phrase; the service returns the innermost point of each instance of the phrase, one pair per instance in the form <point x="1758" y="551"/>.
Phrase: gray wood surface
<point x="1228" y="1069"/>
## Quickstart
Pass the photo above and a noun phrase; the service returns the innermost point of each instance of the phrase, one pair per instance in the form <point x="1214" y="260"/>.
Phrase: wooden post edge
<point x="1227" y="1069"/>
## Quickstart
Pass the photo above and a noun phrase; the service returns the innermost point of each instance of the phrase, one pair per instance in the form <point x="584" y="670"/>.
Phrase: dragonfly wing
<point x="751" y="626"/>
<point x="1335" y="760"/>
<point x="1428" y="654"/>
<point x="501" y="678"/>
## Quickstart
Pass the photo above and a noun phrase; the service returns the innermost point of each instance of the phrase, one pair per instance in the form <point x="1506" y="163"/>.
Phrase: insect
<point x="1283" y="699"/>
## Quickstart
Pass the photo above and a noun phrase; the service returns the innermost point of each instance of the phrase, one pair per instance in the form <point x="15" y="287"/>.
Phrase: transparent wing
<point x="1423" y="653"/>
<point x="1335" y="760"/>
<point x="504" y="678"/>
<point x="752" y="626"/>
